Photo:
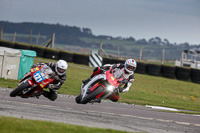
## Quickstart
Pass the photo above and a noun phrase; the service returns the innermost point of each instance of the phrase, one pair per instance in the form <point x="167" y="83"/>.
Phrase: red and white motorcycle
<point x="33" y="83"/>
<point x="100" y="87"/>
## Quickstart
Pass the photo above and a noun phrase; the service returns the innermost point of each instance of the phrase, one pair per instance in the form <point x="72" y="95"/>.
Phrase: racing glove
<point x="51" y="86"/>
<point x="121" y="89"/>
<point x="54" y="86"/>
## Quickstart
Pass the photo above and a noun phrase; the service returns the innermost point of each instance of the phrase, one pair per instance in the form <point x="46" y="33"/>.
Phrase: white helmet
<point x="61" y="67"/>
<point x="130" y="66"/>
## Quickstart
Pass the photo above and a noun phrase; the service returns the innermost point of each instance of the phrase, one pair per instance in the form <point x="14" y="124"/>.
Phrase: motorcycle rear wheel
<point x="93" y="94"/>
<point x="19" y="89"/>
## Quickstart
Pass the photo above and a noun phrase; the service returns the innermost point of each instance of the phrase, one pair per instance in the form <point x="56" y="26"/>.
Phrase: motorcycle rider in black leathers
<point x="60" y="70"/>
<point x="125" y="71"/>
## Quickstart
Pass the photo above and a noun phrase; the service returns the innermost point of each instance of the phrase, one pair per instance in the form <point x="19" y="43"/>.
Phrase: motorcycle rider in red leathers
<point x="125" y="71"/>
<point x="60" y="70"/>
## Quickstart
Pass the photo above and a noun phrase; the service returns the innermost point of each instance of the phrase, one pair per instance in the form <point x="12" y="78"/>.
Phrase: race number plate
<point x="38" y="77"/>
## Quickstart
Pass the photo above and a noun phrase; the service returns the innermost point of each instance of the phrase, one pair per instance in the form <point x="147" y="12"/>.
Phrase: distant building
<point x="189" y="58"/>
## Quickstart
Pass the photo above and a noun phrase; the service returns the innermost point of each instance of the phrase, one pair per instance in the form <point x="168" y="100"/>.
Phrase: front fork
<point x="31" y="83"/>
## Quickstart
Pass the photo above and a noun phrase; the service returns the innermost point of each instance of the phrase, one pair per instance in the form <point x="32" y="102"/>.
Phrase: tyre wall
<point x="168" y="71"/>
<point x="111" y="61"/>
<point x="7" y="44"/>
<point x="51" y="53"/>
<point x="22" y="46"/>
<point x="141" y="68"/>
<point x="195" y="75"/>
<point x="39" y="50"/>
<point x="180" y="73"/>
<point x="81" y="59"/>
<point x="153" y="69"/>
<point x="67" y="56"/>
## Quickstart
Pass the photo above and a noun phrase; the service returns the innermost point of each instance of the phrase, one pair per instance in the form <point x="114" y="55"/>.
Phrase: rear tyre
<point x="93" y="94"/>
<point x="19" y="89"/>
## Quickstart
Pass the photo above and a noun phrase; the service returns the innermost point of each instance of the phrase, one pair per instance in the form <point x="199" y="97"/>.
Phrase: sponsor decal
<point x="37" y="68"/>
<point x="41" y="85"/>
<point x="112" y="78"/>
<point x="32" y="70"/>
<point x="43" y="82"/>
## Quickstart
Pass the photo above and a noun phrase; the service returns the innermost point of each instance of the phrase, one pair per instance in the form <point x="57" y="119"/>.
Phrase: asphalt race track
<point x="106" y="114"/>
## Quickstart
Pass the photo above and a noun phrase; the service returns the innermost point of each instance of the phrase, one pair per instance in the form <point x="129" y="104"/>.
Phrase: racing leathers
<point x="57" y="83"/>
<point x="119" y="73"/>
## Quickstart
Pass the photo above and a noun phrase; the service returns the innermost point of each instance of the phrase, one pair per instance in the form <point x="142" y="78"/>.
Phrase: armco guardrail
<point x="180" y="73"/>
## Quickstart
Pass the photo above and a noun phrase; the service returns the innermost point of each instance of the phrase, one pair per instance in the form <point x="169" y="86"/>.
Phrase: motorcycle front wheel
<point x="92" y="95"/>
<point x="19" y="89"/>
<point x="78" y="99"/>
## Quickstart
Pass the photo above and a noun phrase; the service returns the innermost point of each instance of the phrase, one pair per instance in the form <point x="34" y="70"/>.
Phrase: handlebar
<point x="122" y="82"/>
<point x="57" y="78"/>
<point x="102" y="70"/>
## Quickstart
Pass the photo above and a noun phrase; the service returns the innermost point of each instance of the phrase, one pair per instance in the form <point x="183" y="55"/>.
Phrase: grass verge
<point x="17" y="125"/>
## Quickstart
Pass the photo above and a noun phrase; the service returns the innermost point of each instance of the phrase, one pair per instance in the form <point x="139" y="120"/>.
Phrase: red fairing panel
<point x="95" y="86"/>
<point x="111" y="79"/>
<point x="25" y="76"/>
<point x="30" y="82"/>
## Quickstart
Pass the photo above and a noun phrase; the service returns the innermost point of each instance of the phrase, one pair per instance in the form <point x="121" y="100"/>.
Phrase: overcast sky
<point x="175" y="20"/>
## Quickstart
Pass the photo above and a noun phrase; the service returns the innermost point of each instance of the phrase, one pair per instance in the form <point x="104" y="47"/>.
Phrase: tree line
<point x="71" y="35"/>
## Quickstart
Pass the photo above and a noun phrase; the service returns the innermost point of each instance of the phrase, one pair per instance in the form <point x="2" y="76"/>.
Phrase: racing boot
<point x="45" y="94"/>
<point x="52" y="95"/>
<point x="86" y="81"/>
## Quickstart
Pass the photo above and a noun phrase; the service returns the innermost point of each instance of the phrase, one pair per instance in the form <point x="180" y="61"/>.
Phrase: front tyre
<point x="19" y="89"/>
<point x="92" y="95"/>
<point x="78" y="99"/>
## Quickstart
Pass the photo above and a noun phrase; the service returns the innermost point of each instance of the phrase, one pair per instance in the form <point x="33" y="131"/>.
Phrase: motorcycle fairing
<point x="34" y="69"/>
<point x="112" y="80"/>
<point x="94" y="79"/>
<point x="95" y="86"/>
<point x="25" y="76"/>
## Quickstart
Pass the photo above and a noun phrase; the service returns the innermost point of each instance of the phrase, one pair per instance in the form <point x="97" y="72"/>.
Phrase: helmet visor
<point x="60" y="70"/>
<point x="130" y="68"/>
